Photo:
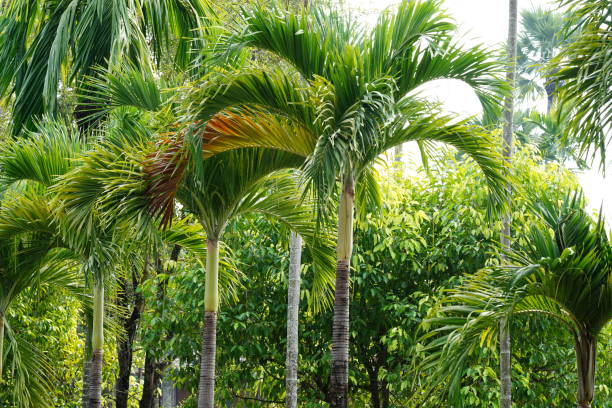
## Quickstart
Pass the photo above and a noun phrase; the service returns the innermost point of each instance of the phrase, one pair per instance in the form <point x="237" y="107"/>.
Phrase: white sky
<point x="486" y="21"/>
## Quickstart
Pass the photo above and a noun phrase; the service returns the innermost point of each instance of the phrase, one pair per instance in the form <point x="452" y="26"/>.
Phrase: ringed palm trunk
<point x="340" y="329"/>
<point x="206" y="390"/>
<point x="505" y="362"/>
<point x="86" y="361"/>
<point x="293" y="307"/>
<point x="586" y="357"/>
<point x="97" y="345"/>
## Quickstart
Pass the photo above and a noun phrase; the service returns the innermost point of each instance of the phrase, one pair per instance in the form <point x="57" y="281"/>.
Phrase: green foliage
<point x="46" y="45"/>
<point x="584" y="72"/>
<point x="431" y="230"/>
<point x="559" y="270"/>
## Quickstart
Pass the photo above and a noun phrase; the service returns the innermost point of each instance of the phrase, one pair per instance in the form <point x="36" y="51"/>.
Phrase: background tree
<point x="541" y="38"/>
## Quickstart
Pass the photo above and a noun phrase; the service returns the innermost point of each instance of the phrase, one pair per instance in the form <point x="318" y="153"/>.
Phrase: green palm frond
<point x="397" y="34"/>
<point x="562" y="271"/>
<point x="219" y="188"/>
<point x="275" y="90"/>
<point x="292" y="36"/>
<point x="43" y="157"/>
<point x="279" y="198"/>
<point x="420" y="121"/>
<point x="583" y="70"/>
<point x="26" y="211"/>
<point x="122" y="86"/>
<point x="109" y="177"/>
<point x="30" y="370"/>
<point x="40" y="40"/>
<point x="368" y="194"/>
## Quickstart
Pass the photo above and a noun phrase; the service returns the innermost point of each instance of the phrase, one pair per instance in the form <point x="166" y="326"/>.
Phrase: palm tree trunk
<point x="586" y="353"/>
<point x="206" y="391"/>
<point x="88" y="324"/>
<point x="340" y="331"/>
<point x="293" y="308"/>
<point x="86" y="370"/>
<point x="505" y="360"/>
<point x="505" y="364"/>
<point x="1" y="342"/>
<point x="398" y="153"/>
<point x="97" y="345"/>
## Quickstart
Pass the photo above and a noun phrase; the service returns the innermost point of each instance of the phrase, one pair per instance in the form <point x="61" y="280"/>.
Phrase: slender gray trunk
<point x="293" y="308"/>
<point x="97" y="343"/>
<point x="338" y="390"/>
<point x="505" y="363"/>
<point x="586" y="359"/>
<point x="398" y="153"/>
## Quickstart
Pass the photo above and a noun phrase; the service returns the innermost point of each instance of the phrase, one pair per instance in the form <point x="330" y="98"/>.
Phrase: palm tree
<point x="40" y="39"/>
<point x="562" y="271"/>
<point x="32" y="255"/>
<point x="41" y="160"/>
<point x="351" y="96"/>
<point x="540" y="40"/>
<point x="549" y="133"/>
<point x="136" y="179"/>
<point x="583" y="72"/>
<point x="505" y="356"/>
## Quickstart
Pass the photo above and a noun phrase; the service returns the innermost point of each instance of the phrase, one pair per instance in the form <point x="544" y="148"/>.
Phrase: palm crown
<point x="347" y="87"/>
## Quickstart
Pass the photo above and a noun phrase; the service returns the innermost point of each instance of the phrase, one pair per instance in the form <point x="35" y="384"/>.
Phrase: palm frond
<point x="583" y="70"/>
<point x="47" y="154"/>
<point x="562" y="271"/>
<point x="31" y="372"/>
<point x="422" y="122"/>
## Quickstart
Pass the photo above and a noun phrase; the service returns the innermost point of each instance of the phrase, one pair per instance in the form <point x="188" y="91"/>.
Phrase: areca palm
<point x="99" y="244"/>
<point x="40" y="161"/>
<point x="352" y="95"/>
<point x="563" y="271"/>
<point x="49" y="45"/>
<point x="146" y="179"/>
<point x="32" y="255"/>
